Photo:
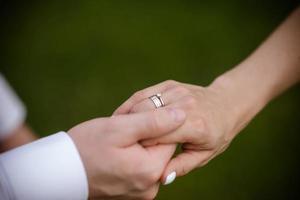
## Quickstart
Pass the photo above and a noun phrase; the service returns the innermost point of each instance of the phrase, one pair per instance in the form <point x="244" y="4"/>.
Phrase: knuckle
<point x="182" y="90"/>
<point x="200" y="126"/>
<point x="139" y="94"/>
<point x="171" y="82"/>
<point x="134" y="109"/>
<point x="200" y="130"/>
<point x="190" y="101"/>
<point x="184" y="170"/>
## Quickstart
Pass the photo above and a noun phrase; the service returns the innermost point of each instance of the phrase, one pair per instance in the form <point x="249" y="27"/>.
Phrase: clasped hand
<point x="207" y="131"/>
<point x="128" y="154"/>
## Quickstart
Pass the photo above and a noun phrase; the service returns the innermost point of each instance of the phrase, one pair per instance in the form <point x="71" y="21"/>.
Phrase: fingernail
<point x="177" y="114"/>
<point x="170" y="178"/>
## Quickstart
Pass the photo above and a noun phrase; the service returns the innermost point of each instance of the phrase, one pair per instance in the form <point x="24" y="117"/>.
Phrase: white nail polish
<point x="170" y="178"/>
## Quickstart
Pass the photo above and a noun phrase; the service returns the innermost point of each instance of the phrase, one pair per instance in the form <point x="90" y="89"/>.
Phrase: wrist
<point x="242" y="101"/>
<point x="81" y="146"/>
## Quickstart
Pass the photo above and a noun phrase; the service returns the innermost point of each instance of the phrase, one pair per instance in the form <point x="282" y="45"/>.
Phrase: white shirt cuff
<point x="49" y="168"/>
<point x="12" y="110"/>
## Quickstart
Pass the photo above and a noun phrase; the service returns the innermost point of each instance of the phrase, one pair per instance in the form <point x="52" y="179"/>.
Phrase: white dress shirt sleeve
<point x="47" y="169"/>
<point x="12" y="110"/>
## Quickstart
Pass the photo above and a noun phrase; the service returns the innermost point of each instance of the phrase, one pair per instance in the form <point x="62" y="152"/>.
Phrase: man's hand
<point x="117" y="166"/>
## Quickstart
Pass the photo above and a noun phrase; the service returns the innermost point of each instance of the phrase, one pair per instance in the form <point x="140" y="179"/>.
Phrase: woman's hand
<point x="215" y="114"/>
<point x="213" y="120"/>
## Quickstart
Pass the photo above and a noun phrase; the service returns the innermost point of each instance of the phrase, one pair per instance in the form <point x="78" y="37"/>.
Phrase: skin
<point x="218" y="112"/>
<point x="117" y="165"/>
<point x="20" y="136"/>
<point x="214" y="116"/>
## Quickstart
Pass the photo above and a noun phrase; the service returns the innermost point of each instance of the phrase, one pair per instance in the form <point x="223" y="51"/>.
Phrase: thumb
<point x="172" y="138"/>
<point x="181" y="165"/>
<point x="140" y="126"/>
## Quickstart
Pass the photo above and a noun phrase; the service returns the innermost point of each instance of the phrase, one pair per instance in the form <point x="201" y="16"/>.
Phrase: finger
<point x="183" y="164"/>
<point x="139" y="126"/>
<point x="169" y="97"/>
<point x="143" y="94"/>
<point x="143" y="106"/>
<point x="157" y="160"/>
<point x="172" y="138"/>
<point x="162" y="152"/>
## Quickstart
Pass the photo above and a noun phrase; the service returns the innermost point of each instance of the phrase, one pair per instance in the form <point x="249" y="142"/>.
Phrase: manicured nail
<point x="170" y="178"/>
<point x="177" y="114"/>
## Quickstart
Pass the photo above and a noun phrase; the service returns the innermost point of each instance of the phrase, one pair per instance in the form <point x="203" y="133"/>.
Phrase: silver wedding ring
<point x="157" y="100"/>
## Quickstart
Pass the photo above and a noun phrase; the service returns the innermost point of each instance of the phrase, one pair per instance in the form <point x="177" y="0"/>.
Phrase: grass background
<point x="75" y="60"/>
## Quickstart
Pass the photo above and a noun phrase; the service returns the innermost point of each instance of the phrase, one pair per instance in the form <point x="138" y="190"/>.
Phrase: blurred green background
<point x="75" y="60"/>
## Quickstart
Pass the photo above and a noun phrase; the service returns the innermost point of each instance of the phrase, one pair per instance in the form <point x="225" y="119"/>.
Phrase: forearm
<point x="266" y="73"/>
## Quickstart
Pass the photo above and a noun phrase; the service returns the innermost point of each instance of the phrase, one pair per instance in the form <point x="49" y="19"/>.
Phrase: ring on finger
<point x="157" y="100"/>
